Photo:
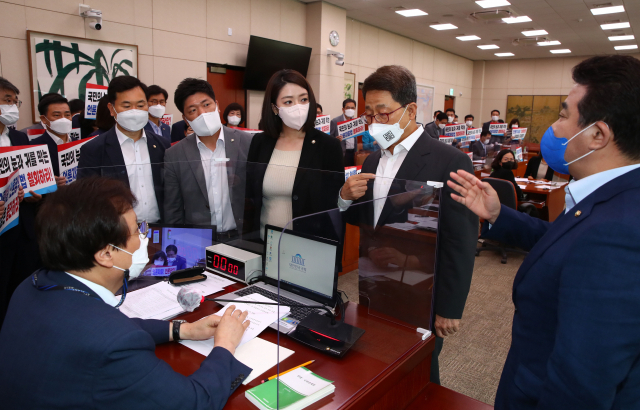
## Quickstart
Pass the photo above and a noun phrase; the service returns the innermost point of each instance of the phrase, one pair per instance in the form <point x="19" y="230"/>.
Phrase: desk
<point x="438" y="397"/>
<point x="387" y="368"/>
<point x="553" y="198"/>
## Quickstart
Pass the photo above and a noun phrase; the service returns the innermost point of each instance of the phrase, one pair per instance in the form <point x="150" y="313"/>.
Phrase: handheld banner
<point x="9" y="187"/>
<point x="69" y="157"/>
<point x="447" y="140"/>
<point x="455" y="130"/>
<point x="74" y="135"/>
<point x="498" y="128"/>
<point x="323" y="123"/>
<point x="92" y="96"/>
<point x="473" y="134"/>
<point x="518" y="133"/>
<point x="350" y="171"/>
<point x="36" y="173"/>
<point x="519" y="154"/>
<point x="167" y="119"/>
<point x="350" y="128"/>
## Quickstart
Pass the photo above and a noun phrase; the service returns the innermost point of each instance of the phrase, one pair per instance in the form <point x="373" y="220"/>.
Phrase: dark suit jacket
<point x="166" y="130"/>
<point x="507" y="175"/>
<point x="485" y="126"/>
<point x="177" y="131"/>
<point x="433" y="130"/>
<point x="96" y="357"/>
<point x="431" y="160"/>
<point x="333" y="131"/>
<point x="186" y="200"/>
<point x="575" y="339"/>
<point x="532" y="169"/>
<point x="75" y="121"/>
<point x="180" y="263"/>
<point x="102" y="156"/>
<point x="479" y="150"/>
<point x="45" y="139"/>
<point x="319" y="177"/>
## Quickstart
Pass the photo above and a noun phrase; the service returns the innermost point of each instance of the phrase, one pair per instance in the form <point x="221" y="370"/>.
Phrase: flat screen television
<point x="266" y="56"/>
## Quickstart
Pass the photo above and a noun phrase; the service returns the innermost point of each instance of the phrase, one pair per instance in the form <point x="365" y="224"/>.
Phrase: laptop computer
<point x="308" y="274"/>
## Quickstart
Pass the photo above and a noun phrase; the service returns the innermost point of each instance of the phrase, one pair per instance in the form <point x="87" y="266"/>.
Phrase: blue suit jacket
<point x="64" y="350"/>
<point x="576" y="328"/>
<point x="177" y="131"/>
<point x="102" y="156"/>
<point x="166" y="131"/>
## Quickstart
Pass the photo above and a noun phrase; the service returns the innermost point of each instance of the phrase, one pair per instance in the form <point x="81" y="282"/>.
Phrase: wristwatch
<point x="176" y="329"/>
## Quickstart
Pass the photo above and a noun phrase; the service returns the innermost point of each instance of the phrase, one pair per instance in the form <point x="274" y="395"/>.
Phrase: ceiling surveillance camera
<point x="337" y="55"/>
<point x="340" y="62"/>
<point x="92" y="14"/>
<point x="96" y="25"/>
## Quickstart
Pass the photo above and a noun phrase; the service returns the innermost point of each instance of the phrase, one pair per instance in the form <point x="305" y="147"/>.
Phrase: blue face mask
<point x="553" y="150"/>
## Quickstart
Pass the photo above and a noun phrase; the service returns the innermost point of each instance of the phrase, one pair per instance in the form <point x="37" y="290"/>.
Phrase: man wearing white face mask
<point x="128" y="153"/>
<point x="201" y="187"/>
<point x="495" y="118"/>
<point x="157" y="101"/>
<point x="90" y="242"/>
<point x="409" y="153"/>
<point x="349" y="145"/>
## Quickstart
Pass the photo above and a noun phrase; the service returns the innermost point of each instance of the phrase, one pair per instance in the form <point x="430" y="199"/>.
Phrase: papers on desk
<point x="160" y="301"/>
<point x="522" y="179"/>
<point x="522" y="186"/>
<point x="403" y="226"/>
<point x="258" y="354"/>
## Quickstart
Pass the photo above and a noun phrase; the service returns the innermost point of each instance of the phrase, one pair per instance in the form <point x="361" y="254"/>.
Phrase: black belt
<point x="232" y="234"/>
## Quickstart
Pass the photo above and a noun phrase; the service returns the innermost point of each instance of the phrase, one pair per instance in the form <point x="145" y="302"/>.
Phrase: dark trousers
<point x="435" y="366"/>
<point x="349" y="158"/>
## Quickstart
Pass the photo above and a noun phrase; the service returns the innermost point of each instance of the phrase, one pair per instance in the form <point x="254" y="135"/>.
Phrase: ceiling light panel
<point x="486" y="4"/>
<point x="468" y="38"/>
<point x="549" y="43"/>
<point x="607" y="10"/>
<point x="412" y="13"/>
<point x="504" y="54"/>
<point x="621" y="38"/>
<point x="513" y="20"/>
<point x="443" y="26"/>
<point x="488" y="47"/>
<point x="562" y="51"/>
<point x="630" y="47"/>
<point x="534" y="33"/>
<point x="613" y="26"/>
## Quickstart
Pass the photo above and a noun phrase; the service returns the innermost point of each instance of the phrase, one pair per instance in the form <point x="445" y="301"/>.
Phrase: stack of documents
<point x="160" y="301"/>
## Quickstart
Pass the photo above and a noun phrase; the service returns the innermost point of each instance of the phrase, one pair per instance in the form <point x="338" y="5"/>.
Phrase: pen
<point x="287" y="371"/>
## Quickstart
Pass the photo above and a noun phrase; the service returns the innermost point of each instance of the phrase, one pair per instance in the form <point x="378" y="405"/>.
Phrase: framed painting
<point x="350" y="86"/>
<point x="425" y="103"/>
<point x="64" y="65"/>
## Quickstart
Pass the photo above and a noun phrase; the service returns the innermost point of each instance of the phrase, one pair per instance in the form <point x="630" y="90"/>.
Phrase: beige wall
<point x="369" y="47"/>
<point x="175" y="38"/>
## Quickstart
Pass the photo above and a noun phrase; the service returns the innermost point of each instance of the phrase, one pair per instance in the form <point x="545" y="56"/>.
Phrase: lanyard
<point x="34" y="282"/>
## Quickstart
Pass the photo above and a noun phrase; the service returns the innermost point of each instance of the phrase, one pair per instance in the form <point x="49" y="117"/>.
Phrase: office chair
<point x="507" y="195"/>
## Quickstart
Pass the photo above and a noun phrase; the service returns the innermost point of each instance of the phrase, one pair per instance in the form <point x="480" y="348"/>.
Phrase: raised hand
<point x="479" y="197"/>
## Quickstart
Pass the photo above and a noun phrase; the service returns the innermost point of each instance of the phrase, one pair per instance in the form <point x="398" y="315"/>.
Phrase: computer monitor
<point x="187" y="242"/>
<point x="307" y="264"/>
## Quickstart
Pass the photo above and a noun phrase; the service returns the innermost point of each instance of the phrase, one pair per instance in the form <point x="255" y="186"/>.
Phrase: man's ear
<point x="412" y="110"/>
<point x="104" y="257"/>
<point x="111" y="110"/>
<point x="601" y="137"/>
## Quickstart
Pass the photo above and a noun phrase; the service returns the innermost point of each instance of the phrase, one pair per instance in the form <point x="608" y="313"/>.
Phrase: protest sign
<point x="323" y="123"/>
<point x="350" y="171"/>
<point x="497" y="128"/>
<point x="455" y="130"/>
<point x="519" y="154"/>
<point x="167" y="119"/>
<point x="36" y="173"/>
<point x="473" y="134"/>
<point x="518" y="133"/>
<point x="350" y="128"/>
<point x="447" y="140"/>
<point x="69" y="157"/>
<point x="93" y="94"/>
<point x="9" y="188"/>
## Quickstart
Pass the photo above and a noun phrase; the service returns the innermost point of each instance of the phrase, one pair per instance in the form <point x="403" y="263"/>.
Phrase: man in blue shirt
<point x="157" y="101"/>
<point x="576" y="328"/>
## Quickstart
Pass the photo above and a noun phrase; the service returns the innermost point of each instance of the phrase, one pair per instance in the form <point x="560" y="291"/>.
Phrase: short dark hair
<point x="436" y="112"/>
<point x="398" y="80"/>
<point x="613" y="86"/>
<point x="48" y="99"/>
<point x="442" y="116"/>
<point x="484" y="133"/>
<point x="124" y="83"/>
<point x="496" y="161"/>
<point x="188" y="87"/>
<point x="469" y="116"/>
<point x="160" y="255"/>
<point x="272" y="124"/>
<point x="498" y="111"/>
<point x="104" y="119"/>
<point x="319" y="106"/>
<point x="347" y="101"/>
<point x="450" y="109"/>
<point x="234" y="106"/>
<point x="513" y="121"/>
<point x="6" y="85"/>
<point x="155" y="90"/>
<point x="172" y="248"/>
<point x="79" y="219"/>
<point x="76" y="105"/>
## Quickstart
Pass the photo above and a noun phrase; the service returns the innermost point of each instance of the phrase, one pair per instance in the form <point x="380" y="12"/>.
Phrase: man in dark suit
<point x="495" y="118"/>
<point x="390" y="97"/>
<point x="201" y="189"/>
<point x="435" y="129"/>
<point x="77" y="107"/>
<point x="349" y="145"/>
<point x="157" y="101"/>
<point x="128" y="153"/>
<point x="104" y="359"/>
<point x="173" y="259"/>
<point x="177" y="131"/>
<point x="576" y="331"/>
<point x="479" y="148"/>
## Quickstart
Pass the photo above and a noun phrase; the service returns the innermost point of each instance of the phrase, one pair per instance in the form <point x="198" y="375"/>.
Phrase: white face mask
<point x="206" y="124"/>
<point x="350" y="113"/>
<point x="60" y="126"/>
<point x="294" y="116"/>
<point x="515" y="126"/>
<point x="9" y="114"/>
<point x="139" y="259"/>
<point x="450" y="119"/>
<point x="157" y="111"/>
<point x="441" y="126"/>
<point x="495" y="118"/>
<point x="233" y="120"/>
<point x="469" y="123"/>
<point x="158" y="263"/>
<point x="132" y="120"/>
<point x="171" y="260"/>
<point x="387" y="134"/>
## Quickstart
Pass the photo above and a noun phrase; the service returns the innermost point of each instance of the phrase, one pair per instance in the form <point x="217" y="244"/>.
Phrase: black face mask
<point x="510" y="165"/>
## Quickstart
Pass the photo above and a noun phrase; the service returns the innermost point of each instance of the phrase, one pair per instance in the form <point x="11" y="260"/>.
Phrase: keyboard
<point x="297" y="313"/>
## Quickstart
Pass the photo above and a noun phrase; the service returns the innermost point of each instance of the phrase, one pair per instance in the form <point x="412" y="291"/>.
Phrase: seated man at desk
<point x="174" y="259"/>
<point x="95" y="356"/>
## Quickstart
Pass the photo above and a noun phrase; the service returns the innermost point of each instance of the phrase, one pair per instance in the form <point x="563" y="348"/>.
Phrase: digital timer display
<point x="232" y="262"/>
<point x="226" y="265"/>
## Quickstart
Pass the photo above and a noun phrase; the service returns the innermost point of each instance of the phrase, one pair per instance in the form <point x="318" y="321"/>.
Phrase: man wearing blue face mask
<point x="127" y="152"/>
<point x="576" y="328"/>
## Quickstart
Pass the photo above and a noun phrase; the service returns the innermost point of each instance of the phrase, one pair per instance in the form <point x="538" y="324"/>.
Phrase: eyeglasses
<point x="143" y="229"/>
<point x="9" y="101"/>
<point x="156" y="102"/>
<point x="381" y="118"/>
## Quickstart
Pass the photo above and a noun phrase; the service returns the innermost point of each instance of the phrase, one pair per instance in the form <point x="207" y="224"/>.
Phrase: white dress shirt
<point x="215" y="173"/>
<point x="57" y="139"/>
<point x="577" y="190"/>
<point x="385" y="174"/>
<point x="5" y="141"/>
<point x="138" y="162"/>
<point x="104" y="293"/>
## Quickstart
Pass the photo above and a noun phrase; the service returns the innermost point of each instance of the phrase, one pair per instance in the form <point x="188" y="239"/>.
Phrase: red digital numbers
<point x="220" y="262"/>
